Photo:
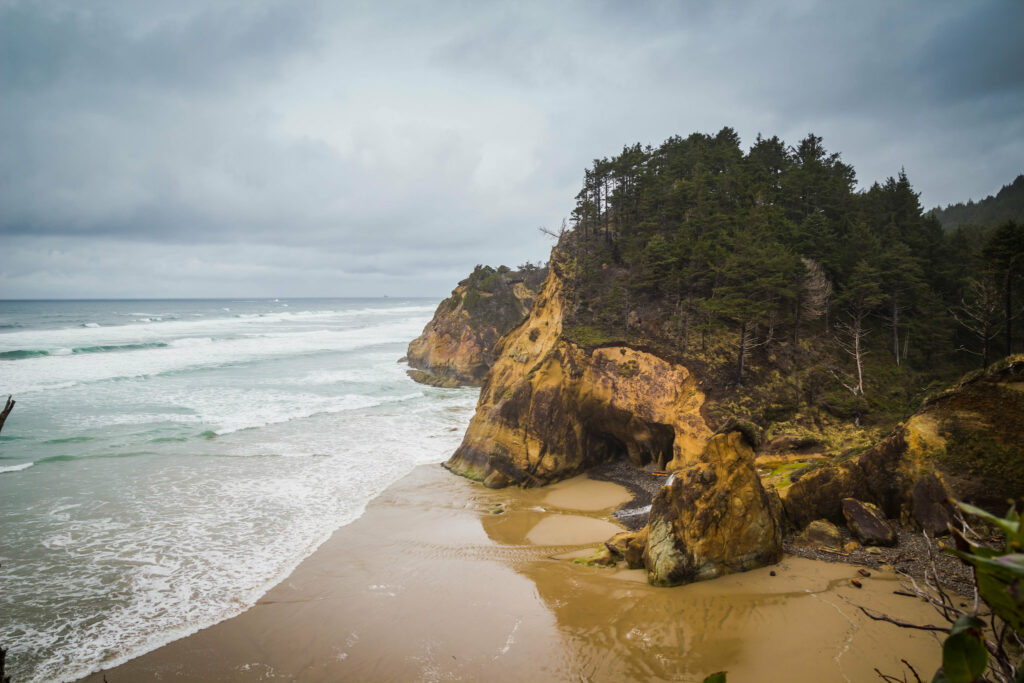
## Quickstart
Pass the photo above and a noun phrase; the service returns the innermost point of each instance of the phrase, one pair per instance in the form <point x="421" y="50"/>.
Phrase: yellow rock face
<point x="456" y="347"/>
<point x="550" y="409"/>
<point x="713" y="518"/>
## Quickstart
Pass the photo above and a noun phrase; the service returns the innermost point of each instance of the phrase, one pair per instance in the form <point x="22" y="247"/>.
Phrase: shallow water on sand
<point x="439" y="580"/>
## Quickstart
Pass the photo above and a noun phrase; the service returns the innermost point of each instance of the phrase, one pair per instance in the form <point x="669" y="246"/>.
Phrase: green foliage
<point x="981" y="453"/>
<point x="1007" y="204"/>
<point x="471" y="302"/>
<point x="964" y="657"/>
<point x="703" y="252"/>
<point x="628" y="369"/>
<point x="489" y="299"/>
<point x="998" y="574"/>
<point x="585" y="336"/>
<point x="718" y="677"/>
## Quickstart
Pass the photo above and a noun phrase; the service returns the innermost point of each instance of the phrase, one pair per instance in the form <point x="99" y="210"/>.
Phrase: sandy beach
<point x="443" y="579"/>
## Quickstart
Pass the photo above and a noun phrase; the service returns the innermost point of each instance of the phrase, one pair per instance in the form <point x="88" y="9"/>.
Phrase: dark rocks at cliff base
<point x="818" y="494"/>
<point x="630" y="546"/>
<point x="931" y="507"/>
<point x="820" y="533"/>
<point x="867" y="523"/>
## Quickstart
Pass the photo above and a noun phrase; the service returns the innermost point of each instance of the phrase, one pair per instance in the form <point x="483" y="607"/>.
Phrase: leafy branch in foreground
<point x="978" y="651"/>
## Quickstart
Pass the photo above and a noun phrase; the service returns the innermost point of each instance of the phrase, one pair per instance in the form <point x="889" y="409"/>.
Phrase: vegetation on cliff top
<point x="489" y="299"/>
<point x="801" y="301"/>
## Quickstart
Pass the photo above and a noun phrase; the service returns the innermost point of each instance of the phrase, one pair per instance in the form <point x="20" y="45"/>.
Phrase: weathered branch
<point x="903" y="624"/>
<point x="6" y="411"/>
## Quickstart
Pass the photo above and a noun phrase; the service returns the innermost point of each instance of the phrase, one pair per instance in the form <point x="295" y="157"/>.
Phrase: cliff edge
<point x="457" y="345"/>
<point x="552" y="408"/>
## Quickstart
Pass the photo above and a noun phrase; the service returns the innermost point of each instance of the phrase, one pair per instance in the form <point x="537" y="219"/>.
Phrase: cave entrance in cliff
<point x="623" y="436"/>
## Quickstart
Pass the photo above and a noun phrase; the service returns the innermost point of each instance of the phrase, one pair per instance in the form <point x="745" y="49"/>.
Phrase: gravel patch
<point x="639" y="482"/>
<point x="913" y="555"/>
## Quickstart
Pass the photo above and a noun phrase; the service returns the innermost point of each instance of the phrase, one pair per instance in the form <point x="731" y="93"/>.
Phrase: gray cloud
<point x="278" y="148"/>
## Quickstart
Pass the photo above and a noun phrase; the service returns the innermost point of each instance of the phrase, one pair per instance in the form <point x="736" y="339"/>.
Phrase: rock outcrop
<point x="457" y="345"/>
<point x="630" y="546"/>
<point x="551" y="408"/>
<point x="820" y="533"/>
<point x="713" y="518"/>
<point x="867" y="523"/>
<point x="966" y="443"/>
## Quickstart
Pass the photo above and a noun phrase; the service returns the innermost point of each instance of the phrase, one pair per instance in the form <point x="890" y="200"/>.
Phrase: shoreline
<point x="441" y="578"/>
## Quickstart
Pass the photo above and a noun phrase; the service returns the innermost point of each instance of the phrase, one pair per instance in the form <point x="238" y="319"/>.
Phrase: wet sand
<point x="442" y="579"/>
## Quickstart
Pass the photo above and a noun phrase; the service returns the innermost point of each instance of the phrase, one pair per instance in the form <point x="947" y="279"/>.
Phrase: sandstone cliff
<point x="967" y="442"/>
<point x="457" y="345"/>
<point x="551" y="408"/>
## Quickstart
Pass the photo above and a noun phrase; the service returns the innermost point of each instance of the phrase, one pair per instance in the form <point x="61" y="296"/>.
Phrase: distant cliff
<point x="457" y="345"/>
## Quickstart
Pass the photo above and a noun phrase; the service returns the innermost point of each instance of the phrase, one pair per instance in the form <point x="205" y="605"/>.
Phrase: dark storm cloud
<point x="195" y="148"/>
<point x="975" y="53"/>
<point x="44" y="44"/>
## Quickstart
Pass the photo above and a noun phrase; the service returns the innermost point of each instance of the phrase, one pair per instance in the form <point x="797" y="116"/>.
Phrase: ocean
<point x="169" y="461"/>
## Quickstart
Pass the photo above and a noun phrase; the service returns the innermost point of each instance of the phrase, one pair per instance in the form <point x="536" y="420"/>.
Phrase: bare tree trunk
<point x="6" y="411"/>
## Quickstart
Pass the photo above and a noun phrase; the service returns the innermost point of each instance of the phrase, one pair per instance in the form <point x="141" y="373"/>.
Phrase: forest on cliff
<point x="769" y="271"/>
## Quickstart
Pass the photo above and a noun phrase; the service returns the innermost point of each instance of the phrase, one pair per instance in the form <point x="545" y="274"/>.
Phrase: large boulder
<point x="630" y="545"/>
<point x="931" y="508"/>
<point x="712" y="518"/>
<point x="818" y="494"/>
<point x="867" y="523"/>
<point x="820" y="533"/>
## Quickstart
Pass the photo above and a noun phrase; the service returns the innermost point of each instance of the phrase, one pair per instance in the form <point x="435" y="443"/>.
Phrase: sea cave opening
<point x="619" y="435"/>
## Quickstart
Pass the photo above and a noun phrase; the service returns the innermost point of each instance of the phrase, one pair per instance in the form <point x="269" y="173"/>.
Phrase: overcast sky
<point x="290" y="148"/>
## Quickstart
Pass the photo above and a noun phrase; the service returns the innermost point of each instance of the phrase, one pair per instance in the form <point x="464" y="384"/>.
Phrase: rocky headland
<point x="456" y="347"/>
<point x="728" y="331"/>
<point x="553" y="407"/>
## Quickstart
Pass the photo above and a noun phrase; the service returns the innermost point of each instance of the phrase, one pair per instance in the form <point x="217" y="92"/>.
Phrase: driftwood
<point x="6" y="411"/>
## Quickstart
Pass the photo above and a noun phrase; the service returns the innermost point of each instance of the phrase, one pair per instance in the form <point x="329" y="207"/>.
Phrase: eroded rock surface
<point x="713" y="518"/>
<point x="820" y="533"/>
<point x="551" y="409"/>
<point x="630" y="546"/>
<point x="457" y="345"/>
<point x="966" y="443"/>
<point x="867" y="523"/>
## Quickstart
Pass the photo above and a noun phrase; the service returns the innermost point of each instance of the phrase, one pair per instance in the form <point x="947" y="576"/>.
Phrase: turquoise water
<point x="168" y="461"/>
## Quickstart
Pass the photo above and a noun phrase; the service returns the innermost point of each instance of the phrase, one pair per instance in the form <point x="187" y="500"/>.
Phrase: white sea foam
<point x="15" y="468"/>
<point x="192" y="352"/>
<point x="108" y="557"/>
<point x="91" y="334"/>
<point x="214" y="536"/>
